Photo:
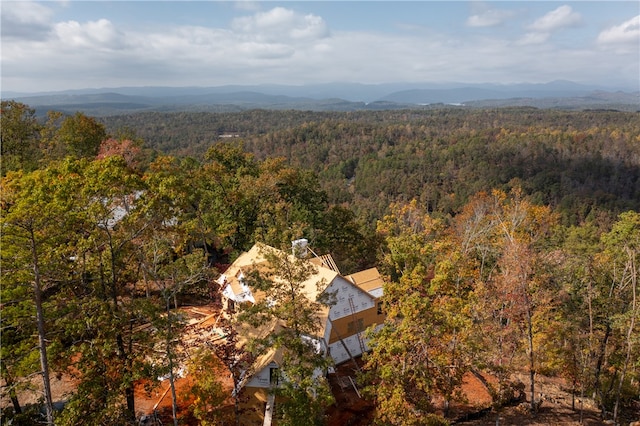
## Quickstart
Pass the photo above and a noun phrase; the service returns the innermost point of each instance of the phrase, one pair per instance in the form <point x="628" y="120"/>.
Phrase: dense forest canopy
<point x="581" y="162"/>
<point x="509" y="240"/>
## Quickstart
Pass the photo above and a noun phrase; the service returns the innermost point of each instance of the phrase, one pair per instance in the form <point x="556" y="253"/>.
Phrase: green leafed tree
<point x="39" y="218"/>
<point x="104" y="326"/>
<point x="79" y="136"/>
<point x="571" y="348"/>
<point x="421" y="351"/>
<point x="208" y="392"/>
<point x="19" y="137"/>
<point x="245" y="200"/>
<point x="292" y="312"/>
<point x="622" y="255"/>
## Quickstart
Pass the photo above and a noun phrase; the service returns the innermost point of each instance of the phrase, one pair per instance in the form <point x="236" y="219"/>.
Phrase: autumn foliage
<point x="509" y="239"/>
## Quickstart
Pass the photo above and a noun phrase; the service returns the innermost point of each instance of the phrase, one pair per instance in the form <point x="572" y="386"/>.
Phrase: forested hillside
<point x="581" y="163"/>
<point x="509" y="239"/>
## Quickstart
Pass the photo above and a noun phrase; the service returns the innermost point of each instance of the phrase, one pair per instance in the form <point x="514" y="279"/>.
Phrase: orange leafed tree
<point x="126" y="148"/>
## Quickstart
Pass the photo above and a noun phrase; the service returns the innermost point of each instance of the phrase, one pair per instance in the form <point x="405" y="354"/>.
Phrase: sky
<point x="68" y="44"/>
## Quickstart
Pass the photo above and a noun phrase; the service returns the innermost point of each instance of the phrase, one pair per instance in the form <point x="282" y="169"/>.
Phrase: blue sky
<point x="57" y="45"/>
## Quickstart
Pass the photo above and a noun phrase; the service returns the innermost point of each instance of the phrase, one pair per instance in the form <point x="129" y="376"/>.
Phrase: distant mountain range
<point x="329" y="97"/>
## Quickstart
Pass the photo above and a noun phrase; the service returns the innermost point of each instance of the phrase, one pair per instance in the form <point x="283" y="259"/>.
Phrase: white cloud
<point x="533" y="38"/>
<point x="253" y="50"/>
<point x="562" y="17"/>
<point x="100" y="34"/>
<point x="25" y="20"/>
<point x="264" y="21"/>
<point x="279" y="23"/>
<point x="489" y="18"/>
<point x="286" y="47"/>
<point x="625" y="34"/>
<point x="542" y="28"/>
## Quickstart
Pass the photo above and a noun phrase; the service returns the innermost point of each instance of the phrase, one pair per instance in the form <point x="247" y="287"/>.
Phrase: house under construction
<point x="355" y="306"/>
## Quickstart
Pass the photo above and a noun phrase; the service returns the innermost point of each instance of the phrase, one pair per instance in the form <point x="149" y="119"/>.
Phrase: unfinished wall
<point x="354" y="311"/>
<point x="262" y="379"/>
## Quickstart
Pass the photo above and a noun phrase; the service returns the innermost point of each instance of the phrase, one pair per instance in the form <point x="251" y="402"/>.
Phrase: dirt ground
<point x="556" y="409"/>
<point x="202" y="327"/>
<point x="349" y="408"/>
<point x="352" y="410"/>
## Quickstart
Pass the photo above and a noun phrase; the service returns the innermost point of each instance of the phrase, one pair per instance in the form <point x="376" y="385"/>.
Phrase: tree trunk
<point x="17" y="409"/>
<point x="14" y="400"/>
<point x="236" y="408"/>
<point x="598" y="371"/>
<point x="129" y="392"/>
<point x="630" y="330"/>
<point x="532" y="370"/>
<point x="582" y="404"/>
<point x="174" y="399"/>
<point x="42" y="342"/>
<point x="532" y="377"/>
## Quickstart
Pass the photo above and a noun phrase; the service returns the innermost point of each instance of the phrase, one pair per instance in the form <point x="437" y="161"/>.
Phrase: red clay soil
<point x="159" y="397"/>
<point x="351" y="409"/>
<point x="556" y="409"/>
